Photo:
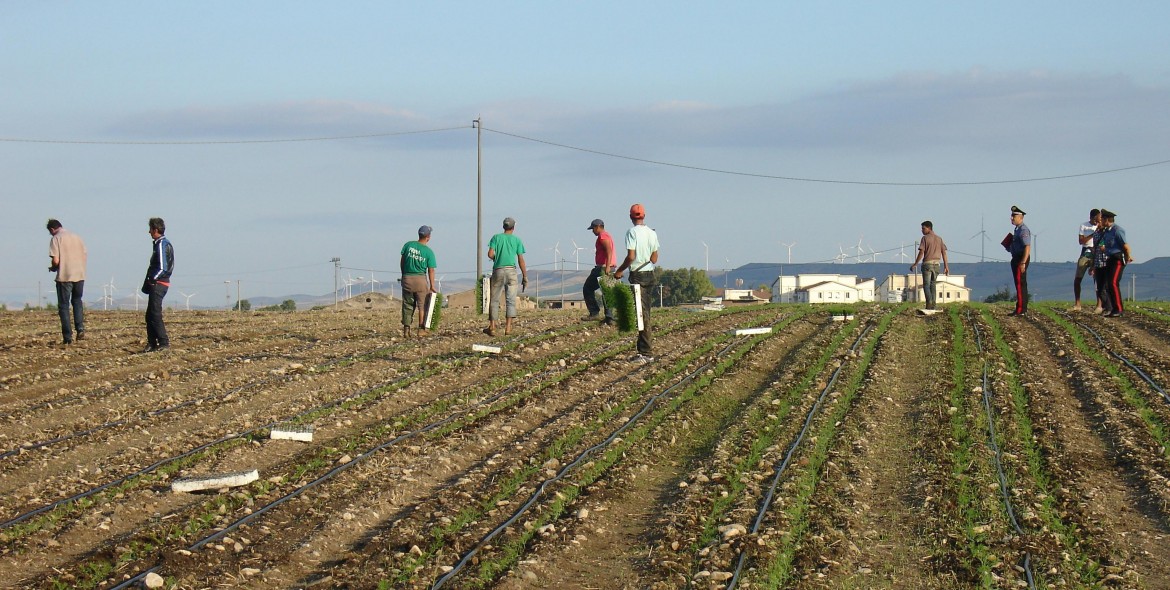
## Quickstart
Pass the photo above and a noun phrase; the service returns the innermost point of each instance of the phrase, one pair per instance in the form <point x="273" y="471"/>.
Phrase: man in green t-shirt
<point x="418" y="279"/>
<point x="507" y="253"/>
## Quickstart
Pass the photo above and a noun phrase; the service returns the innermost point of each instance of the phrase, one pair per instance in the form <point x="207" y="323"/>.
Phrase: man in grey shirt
<point x="932" y="252"/>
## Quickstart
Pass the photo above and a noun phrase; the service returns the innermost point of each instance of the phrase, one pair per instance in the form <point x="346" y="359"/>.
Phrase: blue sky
<point x="743" y="125"/>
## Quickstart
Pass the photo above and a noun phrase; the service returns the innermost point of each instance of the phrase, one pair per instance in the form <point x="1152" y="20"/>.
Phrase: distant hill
<point x="1048" y="281"/>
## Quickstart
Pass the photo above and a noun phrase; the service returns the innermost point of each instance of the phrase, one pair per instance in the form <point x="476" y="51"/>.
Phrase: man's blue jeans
<point x="929" y="280"/>
<point x="69" y="295"/>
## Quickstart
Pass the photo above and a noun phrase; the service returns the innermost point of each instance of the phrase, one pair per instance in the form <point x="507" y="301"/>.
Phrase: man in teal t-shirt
<point x="417" y="263"/>
<point x="507" y="252"/>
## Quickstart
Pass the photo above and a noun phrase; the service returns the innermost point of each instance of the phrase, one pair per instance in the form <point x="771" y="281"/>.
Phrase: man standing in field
<point x="417" y="263"/>
<point x="932" y="251"/>
<point x="641" y="256"/>
<point x="158" y="280"/>
<point x="506" y="252"/>
<point x="1020" y="246"/>
<point x="68" y="257"/>
<point x="1115" y="247"/>
<point x="1085" y="260"/>
<point x="604" y="260"/>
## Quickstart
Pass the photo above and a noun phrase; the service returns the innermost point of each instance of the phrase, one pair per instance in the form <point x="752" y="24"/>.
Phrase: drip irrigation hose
<point x="1149" y="380"/>
<point x="1004" y="491"/>
<point x="219" y="534"/>
<point x="767" y="501"/>
<point x="536" y="495"/>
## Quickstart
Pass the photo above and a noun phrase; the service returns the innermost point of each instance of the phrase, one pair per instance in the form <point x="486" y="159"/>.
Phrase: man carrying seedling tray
<point x="641" y="256"/>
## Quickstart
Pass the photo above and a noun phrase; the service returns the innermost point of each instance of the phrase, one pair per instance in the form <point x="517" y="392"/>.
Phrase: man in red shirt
<point x="604" y="260"/>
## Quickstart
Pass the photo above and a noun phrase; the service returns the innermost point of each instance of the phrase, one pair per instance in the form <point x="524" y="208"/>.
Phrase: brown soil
<point x="436" y="446"/>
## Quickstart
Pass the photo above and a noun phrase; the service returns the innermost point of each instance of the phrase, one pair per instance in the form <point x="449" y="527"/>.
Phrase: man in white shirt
<point x="641" y="256"/>
<point x="1085" y="260"/>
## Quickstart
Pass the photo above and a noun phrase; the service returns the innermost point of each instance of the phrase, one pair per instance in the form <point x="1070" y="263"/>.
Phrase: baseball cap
<point x="509" y="223"/>
<point x="637" y="211"/>
<point x="596" y="223"/>
<point x="424" y="230"/>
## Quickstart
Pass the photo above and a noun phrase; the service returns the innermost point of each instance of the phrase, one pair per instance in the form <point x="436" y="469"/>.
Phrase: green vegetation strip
<point x="757" y="420"/>
<point x="970" y="512"/>
<point x="1155" y="426"/>
<point x="1084" y="566"/>
<point x="206" y="517"/>
<point x="509" y="552"/>
<point x="778" y="571"/>
<point x="557" y="449"/>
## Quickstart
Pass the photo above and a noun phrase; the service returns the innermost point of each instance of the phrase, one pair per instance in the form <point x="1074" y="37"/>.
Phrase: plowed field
<point x="764" y="447"/>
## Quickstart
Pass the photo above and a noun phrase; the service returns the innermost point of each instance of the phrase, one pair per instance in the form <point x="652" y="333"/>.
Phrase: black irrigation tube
<point x="96" y="490"/>
<point x="1003" y="483"/>
<point x="337" y="470"/>
<point x="808" y="419"/>
<point x="539" y="492"/>
<point x="1126" y="361"/>
<point x="161" y="411"/>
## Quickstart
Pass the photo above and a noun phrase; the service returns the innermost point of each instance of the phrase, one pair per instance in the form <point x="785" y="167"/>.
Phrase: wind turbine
<point x="873" y="254"/>
<point x="556" y="249"/>
<point x="109" y="289"/>
<point x="577" y="253"/>
<point x="439" y="283"/>
<point x="859" y="250"/>
<point x="188" y="298"/>
<point x="373" y="281"/>
<point x="706" y="257"/>
<point x="789" y="246"/>
<point x="983" y="242"/>
<point x="840" y="258"/>
<point x="137" y="298"/>
<point x="903" y="254"/>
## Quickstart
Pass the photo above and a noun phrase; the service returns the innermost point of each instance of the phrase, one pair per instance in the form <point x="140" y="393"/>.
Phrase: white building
<point x="898" y="288"/>
<point x="823" y="288"/>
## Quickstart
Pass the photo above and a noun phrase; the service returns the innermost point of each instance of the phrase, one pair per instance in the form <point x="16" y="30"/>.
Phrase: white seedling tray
<point x="215" y="482"/>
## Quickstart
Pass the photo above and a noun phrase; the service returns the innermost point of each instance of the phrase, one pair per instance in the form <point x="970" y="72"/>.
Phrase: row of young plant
<point x="163" y="470"/>
<point x="321" y="458"/>
<point x="299" y="468"/>
<point x="751" y="439"/>
<point x="1031" y="477"/>
<point x="775" y="562"/>
<point x="442" y="536"/>
<point x="696" y="381"/>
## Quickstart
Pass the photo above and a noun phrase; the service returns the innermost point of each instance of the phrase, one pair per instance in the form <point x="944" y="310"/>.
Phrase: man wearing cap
<point x="1115" y="249"/>
<point x="1085" y="260"/>
<point x="507" y="252"/>
<point x="1021" y="250"/>
<point x="932" y="251"/>
<point x="67" y="256"/>
<point x="604" y="259"/>
<point x="641" y="256"/>
<point x="417" y="262"/>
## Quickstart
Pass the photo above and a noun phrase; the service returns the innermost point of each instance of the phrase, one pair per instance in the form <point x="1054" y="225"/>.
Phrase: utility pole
<point x="1133" y="287"/>
<point x="239" y="302"/>
<point x="227" y="294"/>
<point x="659" y="296"/>
<point x="336" y="268"/>
<point x="478" y="124"/>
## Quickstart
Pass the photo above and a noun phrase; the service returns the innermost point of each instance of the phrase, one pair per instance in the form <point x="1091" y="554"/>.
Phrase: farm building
<point x="897" y="288"/>
<point x="822" y="288"/>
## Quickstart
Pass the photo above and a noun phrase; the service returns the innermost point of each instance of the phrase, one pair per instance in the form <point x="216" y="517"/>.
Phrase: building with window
<point x="898" y="288"/>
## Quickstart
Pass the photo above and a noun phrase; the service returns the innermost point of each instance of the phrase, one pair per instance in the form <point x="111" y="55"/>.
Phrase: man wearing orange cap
<point x="641" y="256"/>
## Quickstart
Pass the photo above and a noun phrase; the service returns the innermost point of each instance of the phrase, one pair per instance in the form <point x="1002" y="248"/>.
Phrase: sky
<point x="275" y="136"/>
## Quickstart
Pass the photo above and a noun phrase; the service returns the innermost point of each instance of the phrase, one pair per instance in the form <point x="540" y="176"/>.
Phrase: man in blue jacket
<point x="158" y="280"/>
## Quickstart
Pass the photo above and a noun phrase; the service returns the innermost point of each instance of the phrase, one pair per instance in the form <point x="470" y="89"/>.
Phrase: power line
<point x="823" y="180"/>
<point x="594" y="152"/>
<point x="227" y="141"/>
